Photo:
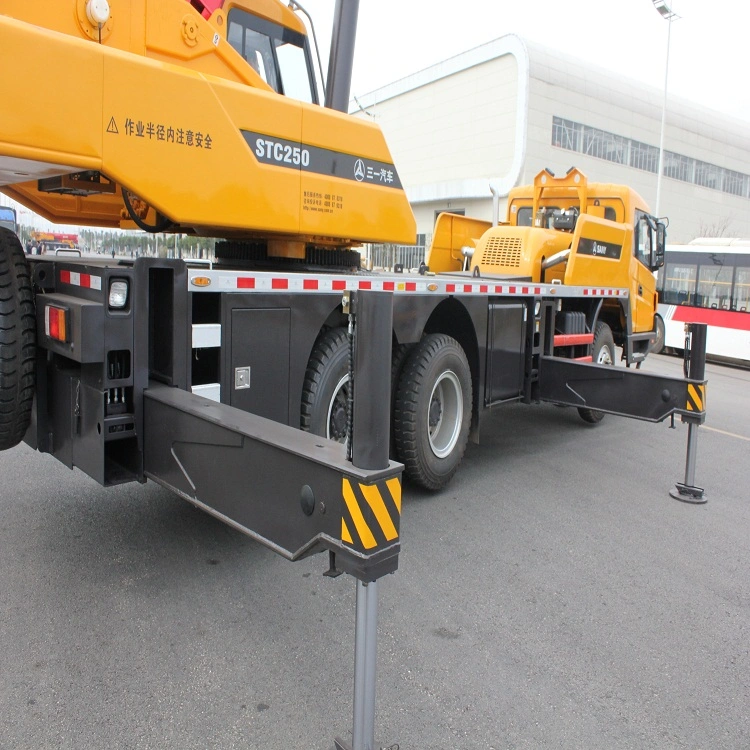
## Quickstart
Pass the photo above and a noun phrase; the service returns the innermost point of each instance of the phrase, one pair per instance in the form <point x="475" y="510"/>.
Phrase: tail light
<point x="57" y="323"/>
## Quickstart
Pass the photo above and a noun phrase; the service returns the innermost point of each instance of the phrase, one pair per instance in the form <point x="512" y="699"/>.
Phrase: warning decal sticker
<point x="167" y="133"/>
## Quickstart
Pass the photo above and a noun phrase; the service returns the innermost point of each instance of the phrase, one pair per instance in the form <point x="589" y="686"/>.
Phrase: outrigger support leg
<point x="695" y="368"/>
<point x="369" y="450"/>
<point x="365" y="658"/>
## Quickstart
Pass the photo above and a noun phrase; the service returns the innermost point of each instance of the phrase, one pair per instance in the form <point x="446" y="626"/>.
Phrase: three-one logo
<point x="359" y="170"/>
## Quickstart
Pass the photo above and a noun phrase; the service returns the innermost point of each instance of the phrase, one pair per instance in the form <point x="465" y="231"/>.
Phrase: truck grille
<point x="503" y="251"/>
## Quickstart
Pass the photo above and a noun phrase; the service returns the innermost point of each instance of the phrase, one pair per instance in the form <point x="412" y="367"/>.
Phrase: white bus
<point x="706" y="281"/>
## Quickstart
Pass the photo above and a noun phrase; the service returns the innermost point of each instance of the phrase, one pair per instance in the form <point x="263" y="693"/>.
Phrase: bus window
<point x="741" y="297"/>
<point x="678" y="286"/>
<point x="715" y="286"/>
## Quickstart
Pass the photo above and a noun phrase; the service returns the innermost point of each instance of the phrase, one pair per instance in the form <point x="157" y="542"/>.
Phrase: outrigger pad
<point x="686" y="493"/>
<point x="339" y="744"/>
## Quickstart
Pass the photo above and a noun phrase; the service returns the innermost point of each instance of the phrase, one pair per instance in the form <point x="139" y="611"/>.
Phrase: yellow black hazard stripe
<point x="371" y="514"/>
<point x="696" y="397"/>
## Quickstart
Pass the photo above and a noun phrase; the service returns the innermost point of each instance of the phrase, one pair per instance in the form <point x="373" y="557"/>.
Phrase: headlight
<point x="118" y="294"/>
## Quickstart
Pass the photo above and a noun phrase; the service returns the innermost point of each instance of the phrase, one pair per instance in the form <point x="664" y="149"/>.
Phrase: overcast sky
<point x="708" y="60"/>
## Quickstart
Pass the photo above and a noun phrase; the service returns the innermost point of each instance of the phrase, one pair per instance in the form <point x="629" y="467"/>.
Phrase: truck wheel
<point x="17" y="341"/>
<point x="326" y="388"/>
<point x="602" y="353"/>
<point x="399" y="356"/>
<point x="433" y="411"/>
<point x="658" y="343"/>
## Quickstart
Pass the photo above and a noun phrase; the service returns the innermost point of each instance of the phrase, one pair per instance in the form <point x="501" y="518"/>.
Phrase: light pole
<point x="665" y="11"/>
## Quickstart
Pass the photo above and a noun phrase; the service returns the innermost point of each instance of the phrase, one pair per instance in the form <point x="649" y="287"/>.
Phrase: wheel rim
<point x="336" y="419"/>
<point x="445" y="414"/>
<point x="604" y="357"/>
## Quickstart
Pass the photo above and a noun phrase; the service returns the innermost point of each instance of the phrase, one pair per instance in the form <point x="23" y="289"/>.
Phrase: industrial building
<point x="499" y="113"/>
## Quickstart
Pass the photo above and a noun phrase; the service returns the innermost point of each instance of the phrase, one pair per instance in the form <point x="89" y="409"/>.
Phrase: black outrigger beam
<point x="292" y="491"/>
<point x="637" y="394"/>
<point x="623" y="391"/>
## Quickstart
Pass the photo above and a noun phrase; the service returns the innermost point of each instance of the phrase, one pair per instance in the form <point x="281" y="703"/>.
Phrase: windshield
<point x="278" y="55"/>
<point x="550" y="213"/>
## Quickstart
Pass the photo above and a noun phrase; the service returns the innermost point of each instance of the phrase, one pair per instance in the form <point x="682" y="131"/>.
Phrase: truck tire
<point x="398" y="358"/>
<point x="602" y="353"/>
<point x="17" y="341"/>
<point x="433" y="411"/>
<point x="326" y="387"/>
<point x="657" y="345"/>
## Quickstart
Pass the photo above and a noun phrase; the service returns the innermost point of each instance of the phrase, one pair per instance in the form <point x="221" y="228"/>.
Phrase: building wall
<point x="450" y="135"/>
<point x="452" y="130"/>
<point x="564" y="88"/>
<point x="456" y="128"/>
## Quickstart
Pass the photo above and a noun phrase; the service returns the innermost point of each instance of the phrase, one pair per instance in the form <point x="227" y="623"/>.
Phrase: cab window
<point x="278" y="55"/>
<point x="525" y="219"/>
<point x="644" y="235"/>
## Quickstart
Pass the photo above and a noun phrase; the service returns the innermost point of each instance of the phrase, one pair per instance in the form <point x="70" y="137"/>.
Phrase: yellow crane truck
<point x="206" y="118"/>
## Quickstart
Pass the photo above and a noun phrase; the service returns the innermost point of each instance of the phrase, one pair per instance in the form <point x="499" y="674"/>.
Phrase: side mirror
<point x="657" y="256"/>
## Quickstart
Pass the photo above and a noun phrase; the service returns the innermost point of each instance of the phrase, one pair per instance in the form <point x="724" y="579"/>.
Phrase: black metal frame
<point x="615" y="390"/>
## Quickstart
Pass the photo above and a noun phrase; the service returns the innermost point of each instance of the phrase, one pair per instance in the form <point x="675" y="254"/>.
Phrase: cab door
<point x="642" y="278"/>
